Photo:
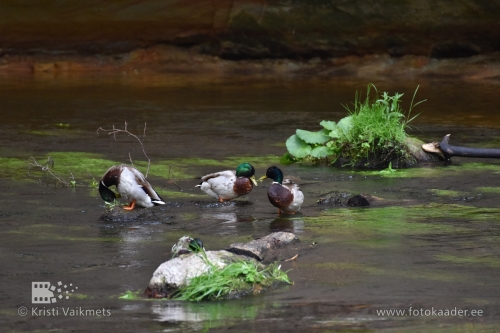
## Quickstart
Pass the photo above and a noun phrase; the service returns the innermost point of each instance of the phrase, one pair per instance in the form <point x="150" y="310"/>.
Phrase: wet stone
<point x="414" y="146"/>
<point x="259" y="248"/>
<point x="334" y="198"/>
<point x="176" y="273"/>
<point x="358" y="201"/>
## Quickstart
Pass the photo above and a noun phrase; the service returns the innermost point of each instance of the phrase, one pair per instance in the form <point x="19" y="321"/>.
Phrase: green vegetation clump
<point x="372" y="135"/>
<point x="235" y="279"/>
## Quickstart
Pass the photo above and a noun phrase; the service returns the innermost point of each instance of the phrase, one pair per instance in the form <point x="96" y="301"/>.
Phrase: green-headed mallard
<point x="283" y="193"/>
<point x="229" y="184"/>
<point x="186" y="244"/>
<point x="132" y="186"/>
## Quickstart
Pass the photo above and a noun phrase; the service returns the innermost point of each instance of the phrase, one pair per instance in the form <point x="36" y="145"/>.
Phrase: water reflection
<point x="170" y="311"/>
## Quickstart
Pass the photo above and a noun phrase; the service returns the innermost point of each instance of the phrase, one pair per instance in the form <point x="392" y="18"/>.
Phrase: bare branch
<point x="115" y="131"/>
<point x="132" y="162"/>
<point x="32" y="163"/>
<point x="171" y="175"/>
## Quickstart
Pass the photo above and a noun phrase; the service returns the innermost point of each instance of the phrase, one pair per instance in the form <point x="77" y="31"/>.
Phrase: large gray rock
<point x="177" y="272"/>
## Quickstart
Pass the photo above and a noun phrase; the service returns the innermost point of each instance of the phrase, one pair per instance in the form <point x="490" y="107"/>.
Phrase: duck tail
<point x="157" y="202"/>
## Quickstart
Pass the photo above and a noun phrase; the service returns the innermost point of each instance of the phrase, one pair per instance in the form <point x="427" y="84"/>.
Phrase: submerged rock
<point x="334" y="198"/>
<point x="358" y="201"/>
<point x="258" y="248"/>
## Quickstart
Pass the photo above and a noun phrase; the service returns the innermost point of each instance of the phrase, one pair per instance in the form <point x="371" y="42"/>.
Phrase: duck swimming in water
<point x="283" y="193"/>
<point x="131" y="185"/>
<point x="229" y="184"/>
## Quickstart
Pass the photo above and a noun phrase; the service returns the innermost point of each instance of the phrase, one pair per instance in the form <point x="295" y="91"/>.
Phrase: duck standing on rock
<point x="186" y="244"/>
<point x="131" y="185"/>
<point x="229" y="184"/>
<point x="283" y="193"/>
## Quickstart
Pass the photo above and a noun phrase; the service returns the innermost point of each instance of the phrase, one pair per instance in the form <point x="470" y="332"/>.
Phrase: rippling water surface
<point x="429" y="243"/>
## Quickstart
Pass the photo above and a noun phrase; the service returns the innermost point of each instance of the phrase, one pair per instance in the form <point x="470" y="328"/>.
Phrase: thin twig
<point x="132" y="162"/>
<point x="88" y="173"/>
<point x="115" y="131"/>
<point x="292" y="258"/>
<point x="170" y="173"/>
<point x="46" y="168"/>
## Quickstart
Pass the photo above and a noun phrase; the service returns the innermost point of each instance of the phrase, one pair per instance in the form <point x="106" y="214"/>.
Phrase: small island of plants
<point x="373" y="135"/>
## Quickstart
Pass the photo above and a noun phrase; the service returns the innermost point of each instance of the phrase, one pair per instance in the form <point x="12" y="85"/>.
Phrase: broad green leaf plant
<point x="372" y="127"/>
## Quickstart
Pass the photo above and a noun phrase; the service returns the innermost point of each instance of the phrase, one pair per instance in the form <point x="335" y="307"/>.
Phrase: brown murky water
<point x="431" y="244"/>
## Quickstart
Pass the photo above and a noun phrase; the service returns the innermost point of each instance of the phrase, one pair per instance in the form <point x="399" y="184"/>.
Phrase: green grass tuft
<point x="237" y="277"/>
<point x="372" y="134"/>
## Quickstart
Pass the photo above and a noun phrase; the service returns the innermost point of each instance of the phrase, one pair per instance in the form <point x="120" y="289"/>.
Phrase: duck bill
<point x="253" y="180"/>
<point x="262" y="178"/>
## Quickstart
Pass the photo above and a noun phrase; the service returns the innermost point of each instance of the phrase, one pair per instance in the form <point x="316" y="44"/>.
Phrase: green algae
<point x="14" y="168"/>
<point x="480" y="260"/>
<point x="381" y="228"/>
<point x="187" y="168"/>
<point x="495" y="190"/>
<point x="396" y="229"/>
<point x="439" y="170"/>
<point x="85" y="167"/>
<point x="403" y="220"/>
<point x="132" y="295"/>
<point x="446" y="193"/>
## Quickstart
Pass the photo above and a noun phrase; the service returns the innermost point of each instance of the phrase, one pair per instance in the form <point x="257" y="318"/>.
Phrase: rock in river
<point x="177" y="272"/>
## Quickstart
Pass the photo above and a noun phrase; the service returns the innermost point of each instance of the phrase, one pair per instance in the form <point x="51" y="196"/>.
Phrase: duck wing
<point x="146" y="186"/>
<point x="297" y="195"/>
<point x="220" y="174"/>
<point x="279" y="195"/>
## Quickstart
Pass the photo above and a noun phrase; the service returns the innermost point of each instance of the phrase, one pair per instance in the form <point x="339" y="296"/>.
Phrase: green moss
<point x="446" y="193"/>
<point x="489" y="189"/>
<point x="382" y="227"/>
<point x="403" y="220"/>
<point x="132" y="295"/>
<point x="436" y="171"/>
<point x="83" y="166"/>
<point x="480" y="260"/>
<point x="80" y="163"/>
<point x="14" y="168"/>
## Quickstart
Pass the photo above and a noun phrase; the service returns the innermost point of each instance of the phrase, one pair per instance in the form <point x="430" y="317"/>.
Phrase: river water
<point x="427" y="248"/>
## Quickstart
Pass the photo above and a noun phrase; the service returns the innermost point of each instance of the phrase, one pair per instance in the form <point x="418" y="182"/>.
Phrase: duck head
<point x="110" y="178"/>
<point x="246" y="170"/>
<point x="273" y="173"/>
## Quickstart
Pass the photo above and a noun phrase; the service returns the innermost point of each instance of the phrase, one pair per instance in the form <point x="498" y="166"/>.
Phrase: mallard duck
<point x="131" y="185"/>
<point x="283" y="193"/>
<point x="229" y="184"/>
<point x="186" y="244"/>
